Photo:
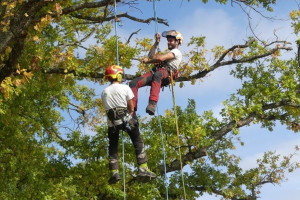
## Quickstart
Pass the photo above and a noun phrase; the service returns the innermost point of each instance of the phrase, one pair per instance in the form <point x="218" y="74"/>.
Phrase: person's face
<point x="172" y="43"/>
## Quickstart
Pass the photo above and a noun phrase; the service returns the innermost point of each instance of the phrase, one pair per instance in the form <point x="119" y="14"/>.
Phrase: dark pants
<point x="137" y="141"/>
<point x="157" y="79"/>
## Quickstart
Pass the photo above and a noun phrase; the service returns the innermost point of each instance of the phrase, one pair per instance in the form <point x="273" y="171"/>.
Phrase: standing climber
<point x="160" y="77"/>
<point x="117" y="100"/>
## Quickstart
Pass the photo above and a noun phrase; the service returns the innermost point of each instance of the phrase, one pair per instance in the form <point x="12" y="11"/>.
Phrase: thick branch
<point x="219" y="63"/>
<point x="191" y="156"/>
<point x="95" y="75"/>
<point x="78" y="7"/>
<point x="104" y="3"/>
<point x="16" y="35"/>
<point x="230" y="50"/>
<point x="19" y="24"/>
<point x="123" y="15"/>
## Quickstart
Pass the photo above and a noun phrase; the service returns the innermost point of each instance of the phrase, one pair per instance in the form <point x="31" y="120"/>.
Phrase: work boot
<point x="144" y="172"/>
<point x="151" y="107"/>
<point x="115" y="177"/>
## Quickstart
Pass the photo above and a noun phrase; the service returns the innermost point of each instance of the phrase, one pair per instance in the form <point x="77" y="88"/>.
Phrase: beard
<point x="171" y="46"/>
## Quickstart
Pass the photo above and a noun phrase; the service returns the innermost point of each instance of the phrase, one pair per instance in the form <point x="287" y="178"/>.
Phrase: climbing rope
<point x="155" y="17"/>
<point x="177" y="130"/>
<point x="164" y="154"/>
<point x="161" y="133"/>
<point x="123" y="164"/>
<point x="116" y="34"/>
<point x="156" y="23"/>
<point x="118" y="63"/>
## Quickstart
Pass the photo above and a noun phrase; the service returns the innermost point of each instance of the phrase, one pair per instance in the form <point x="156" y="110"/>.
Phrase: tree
<point x="42" y="94"/>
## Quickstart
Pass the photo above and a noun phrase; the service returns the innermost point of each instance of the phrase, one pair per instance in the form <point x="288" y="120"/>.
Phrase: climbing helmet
<point x="114" y="72"/>
<point x="172" y="33"/>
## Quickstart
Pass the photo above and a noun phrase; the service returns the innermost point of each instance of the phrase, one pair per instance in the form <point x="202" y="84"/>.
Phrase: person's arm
<point x="130" y="106"/>
<point x="157" y="58"/>
<point x="152" y="50"/>
<point x="155" y="45"/>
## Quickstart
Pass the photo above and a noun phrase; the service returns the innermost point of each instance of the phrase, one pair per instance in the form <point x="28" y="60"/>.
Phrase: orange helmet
<point x="114" y="72"/>
<point x="177" y="35"/>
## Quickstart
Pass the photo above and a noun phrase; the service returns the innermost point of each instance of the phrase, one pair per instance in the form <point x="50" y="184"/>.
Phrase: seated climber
<point x="160" y="75"/>
<point x="117" y="100"/>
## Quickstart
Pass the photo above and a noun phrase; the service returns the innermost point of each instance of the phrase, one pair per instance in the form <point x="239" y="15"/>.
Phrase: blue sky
<point x="222" y="25"/>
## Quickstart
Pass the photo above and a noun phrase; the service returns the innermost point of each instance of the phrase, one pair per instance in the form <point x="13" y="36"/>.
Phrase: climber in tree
<point x="117" y="100"/>
<point x="160" y="75"/>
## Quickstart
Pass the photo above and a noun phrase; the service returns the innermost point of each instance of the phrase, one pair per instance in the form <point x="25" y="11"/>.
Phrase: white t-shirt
<point x="116" y="95"/>
<point x="176" y="60"/>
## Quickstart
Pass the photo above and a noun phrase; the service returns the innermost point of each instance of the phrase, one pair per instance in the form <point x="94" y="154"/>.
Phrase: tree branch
<point x="298" y="52"/>
<point x="82" y="6"/>
<point x="219" y="63"/>
<point x="123" y="15"/>
<point x="80" y="41"/>
<point x="201" y="152"/>
<point x="200" y="74"/>
<point x="78" y="109"/>
<point x="136" y="32"/>
<point x="52" y="131"/>
<point x="94" y="75"/>
<point x="16" y="35"/>
<point x="19" y="24"/>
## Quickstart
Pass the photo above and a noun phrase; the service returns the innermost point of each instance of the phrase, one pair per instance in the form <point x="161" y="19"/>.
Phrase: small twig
<point x="78" y="108"/>
<point x="136" y="32"/>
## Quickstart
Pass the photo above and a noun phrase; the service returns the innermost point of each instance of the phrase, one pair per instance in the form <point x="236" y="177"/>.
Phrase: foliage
<point x="46" y="106"/>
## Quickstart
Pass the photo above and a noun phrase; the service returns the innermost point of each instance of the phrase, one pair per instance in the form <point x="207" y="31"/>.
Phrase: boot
<point x="151" y="107"/>
<point x="144" y="172"/>
<point x="115" y="177"/>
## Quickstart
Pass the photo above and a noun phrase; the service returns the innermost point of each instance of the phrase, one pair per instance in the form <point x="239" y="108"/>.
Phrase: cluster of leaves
<point x="270" y="92"/>
<point x="295" y="16"/>
<point x="43" y="151"/>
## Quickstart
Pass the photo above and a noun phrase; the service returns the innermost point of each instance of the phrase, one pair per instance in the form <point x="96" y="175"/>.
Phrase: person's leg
<point x="113" y="136"/>
<point x="138" y="82"/>
<point x="158" y="76"/>
<point x="141" y="157"/>
<point x="138" y="144"/>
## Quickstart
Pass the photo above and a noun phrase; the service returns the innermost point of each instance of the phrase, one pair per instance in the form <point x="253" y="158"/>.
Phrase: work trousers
<point x="157" y="79"/>
<point x="136" y="139"/>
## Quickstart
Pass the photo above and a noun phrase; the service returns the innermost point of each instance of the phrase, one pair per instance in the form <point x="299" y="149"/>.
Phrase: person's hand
<point x="145" y="60"/>
<point x="130" y="122"/>
<point x="157" y="37"/>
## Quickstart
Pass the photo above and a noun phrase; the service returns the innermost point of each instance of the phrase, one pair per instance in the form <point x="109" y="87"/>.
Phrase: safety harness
<point x="169" y="68"/>
<point x="117" y="113"/>
<point x="121" y="113"/>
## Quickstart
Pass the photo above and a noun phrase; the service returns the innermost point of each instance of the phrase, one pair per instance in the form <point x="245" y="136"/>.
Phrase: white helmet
<point x="172" y="33"/>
